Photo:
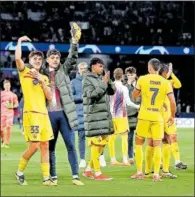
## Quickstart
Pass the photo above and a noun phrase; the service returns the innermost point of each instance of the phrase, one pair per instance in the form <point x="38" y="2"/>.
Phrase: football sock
<point x="125" y="147"/>
<point x="175" y="151"/>
<point x="95" y="157"/>
<point x="139" y="157"/>
<point x="148" y="158"/>
<point x="166" y="154"/>
<point x="22" y="165"/>
<point x="45" y="170"/>
<point x="111" y="146"/>
<point x="157" y="159"/>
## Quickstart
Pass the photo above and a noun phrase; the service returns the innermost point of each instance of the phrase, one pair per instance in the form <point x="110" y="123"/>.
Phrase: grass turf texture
<point x="122" y="185"/>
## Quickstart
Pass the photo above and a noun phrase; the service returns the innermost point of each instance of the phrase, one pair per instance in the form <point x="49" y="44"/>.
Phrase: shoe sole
<point x="89" y="177"/>
<point x="169" y="177"/>
<point x="77" y="184"/>
<point x="180" y="168"/>
<point x="154" y="180"/>
<point x="82" y="166"/>
<point x="137" y="178"/>
<point x="19" y="182"/>
<point x="49" y="185"/>
<point x="118" y="164"/>
<point x="125" y="164"/>
<point x="110" y="179"/>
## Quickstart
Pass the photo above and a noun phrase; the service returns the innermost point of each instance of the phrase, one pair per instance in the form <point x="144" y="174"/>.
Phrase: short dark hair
<point x="131" y="70"/>
<point x="6" y="81"/>
<point x="155" y="63"/>
<point x="164" y="68"/>
<point x="53" y="52"/>
<point x="118" y="73"/>
<point x="38" y="53"/>
<point x="95" y="60"/>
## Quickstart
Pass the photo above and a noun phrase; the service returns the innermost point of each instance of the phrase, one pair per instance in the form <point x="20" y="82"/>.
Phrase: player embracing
<point x="118" y="104"/>
<point x="36" y="123"/>
<point x="170" y="131"/>
<point x="153" y="89"/>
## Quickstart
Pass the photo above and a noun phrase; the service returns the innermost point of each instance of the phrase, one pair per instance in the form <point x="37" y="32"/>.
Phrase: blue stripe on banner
<point x="104" y="49"/>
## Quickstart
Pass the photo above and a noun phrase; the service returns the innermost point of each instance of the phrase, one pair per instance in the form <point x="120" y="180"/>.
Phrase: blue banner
<point x="101" y="49"/>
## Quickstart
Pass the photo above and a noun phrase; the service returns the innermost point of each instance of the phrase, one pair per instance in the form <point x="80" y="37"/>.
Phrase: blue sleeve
<point x="77" y="95"/>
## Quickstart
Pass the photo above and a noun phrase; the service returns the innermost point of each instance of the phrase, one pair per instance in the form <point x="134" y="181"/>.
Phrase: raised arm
<point x="175" y="81"/>
<point x="71" y="60"/>
<point x="18" y="53"/>
<point x="137" y="91"/>
<point x="171" y="98"/>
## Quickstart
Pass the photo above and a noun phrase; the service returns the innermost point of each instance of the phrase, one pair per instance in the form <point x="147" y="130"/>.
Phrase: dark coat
<point x="97" y="116"/>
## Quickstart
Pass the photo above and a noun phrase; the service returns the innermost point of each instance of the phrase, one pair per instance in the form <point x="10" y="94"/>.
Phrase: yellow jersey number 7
<point x="155" y="92"/>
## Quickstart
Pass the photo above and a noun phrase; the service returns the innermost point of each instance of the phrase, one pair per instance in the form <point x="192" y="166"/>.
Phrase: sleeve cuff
<point x="169" y="93"/>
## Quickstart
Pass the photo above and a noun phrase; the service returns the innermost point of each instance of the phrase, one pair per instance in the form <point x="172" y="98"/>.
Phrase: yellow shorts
<point x="37" y="127"/>
<point x="98" y="141"/>
<point x="170" y="130"/>
<point x="121" y="125"/>
<point x="148" y="129"/>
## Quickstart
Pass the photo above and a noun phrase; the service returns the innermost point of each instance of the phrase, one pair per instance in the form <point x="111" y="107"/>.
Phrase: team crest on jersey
<point x="35" y="81"/>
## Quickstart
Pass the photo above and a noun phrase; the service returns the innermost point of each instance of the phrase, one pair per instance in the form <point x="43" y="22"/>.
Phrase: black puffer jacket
<point x="97" y="116"/>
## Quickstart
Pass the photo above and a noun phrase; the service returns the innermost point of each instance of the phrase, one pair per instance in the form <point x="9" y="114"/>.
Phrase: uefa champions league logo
<point x="89" y="47"/>
<point x="143" y="51"/>
<point x="12" y="47"/>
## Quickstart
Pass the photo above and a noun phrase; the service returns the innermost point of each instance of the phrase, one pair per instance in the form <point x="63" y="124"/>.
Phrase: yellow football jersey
<point x="154" y="89"/>
<point x="34" y="97"/>
<point x="175" y="83"/>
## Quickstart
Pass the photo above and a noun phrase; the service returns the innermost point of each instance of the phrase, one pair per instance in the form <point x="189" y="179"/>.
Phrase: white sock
<point x="19" y="173"/>
<point x="45" y="178"/>
<point x="97" y="173"/>
<point x="177" y="161"/>
<point x="113" y="159"/>
<point x="125" y="160"/>
<point x="88" y="168"/>
<point x="75" y="176"/>
<point x="102" y="157"/>
<point x="54" y="177"/>
<point x="156" y="174"/>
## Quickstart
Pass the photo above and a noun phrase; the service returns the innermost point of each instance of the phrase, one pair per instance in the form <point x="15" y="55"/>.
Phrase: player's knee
<point x="166" y="139"/>
<point x="70" y="147"/>
<point x="34" y="146"/>
<point x="173" y="138"/>
<point x="150" y="142"/>
<point x="44" y="145"/>
<point x="8" y="128"/>
<point x="156" y="143"/>
<point x="139" y="140"/>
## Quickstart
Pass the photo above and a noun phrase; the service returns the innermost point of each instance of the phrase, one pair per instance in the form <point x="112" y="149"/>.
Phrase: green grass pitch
<point x="122" y="185"/>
